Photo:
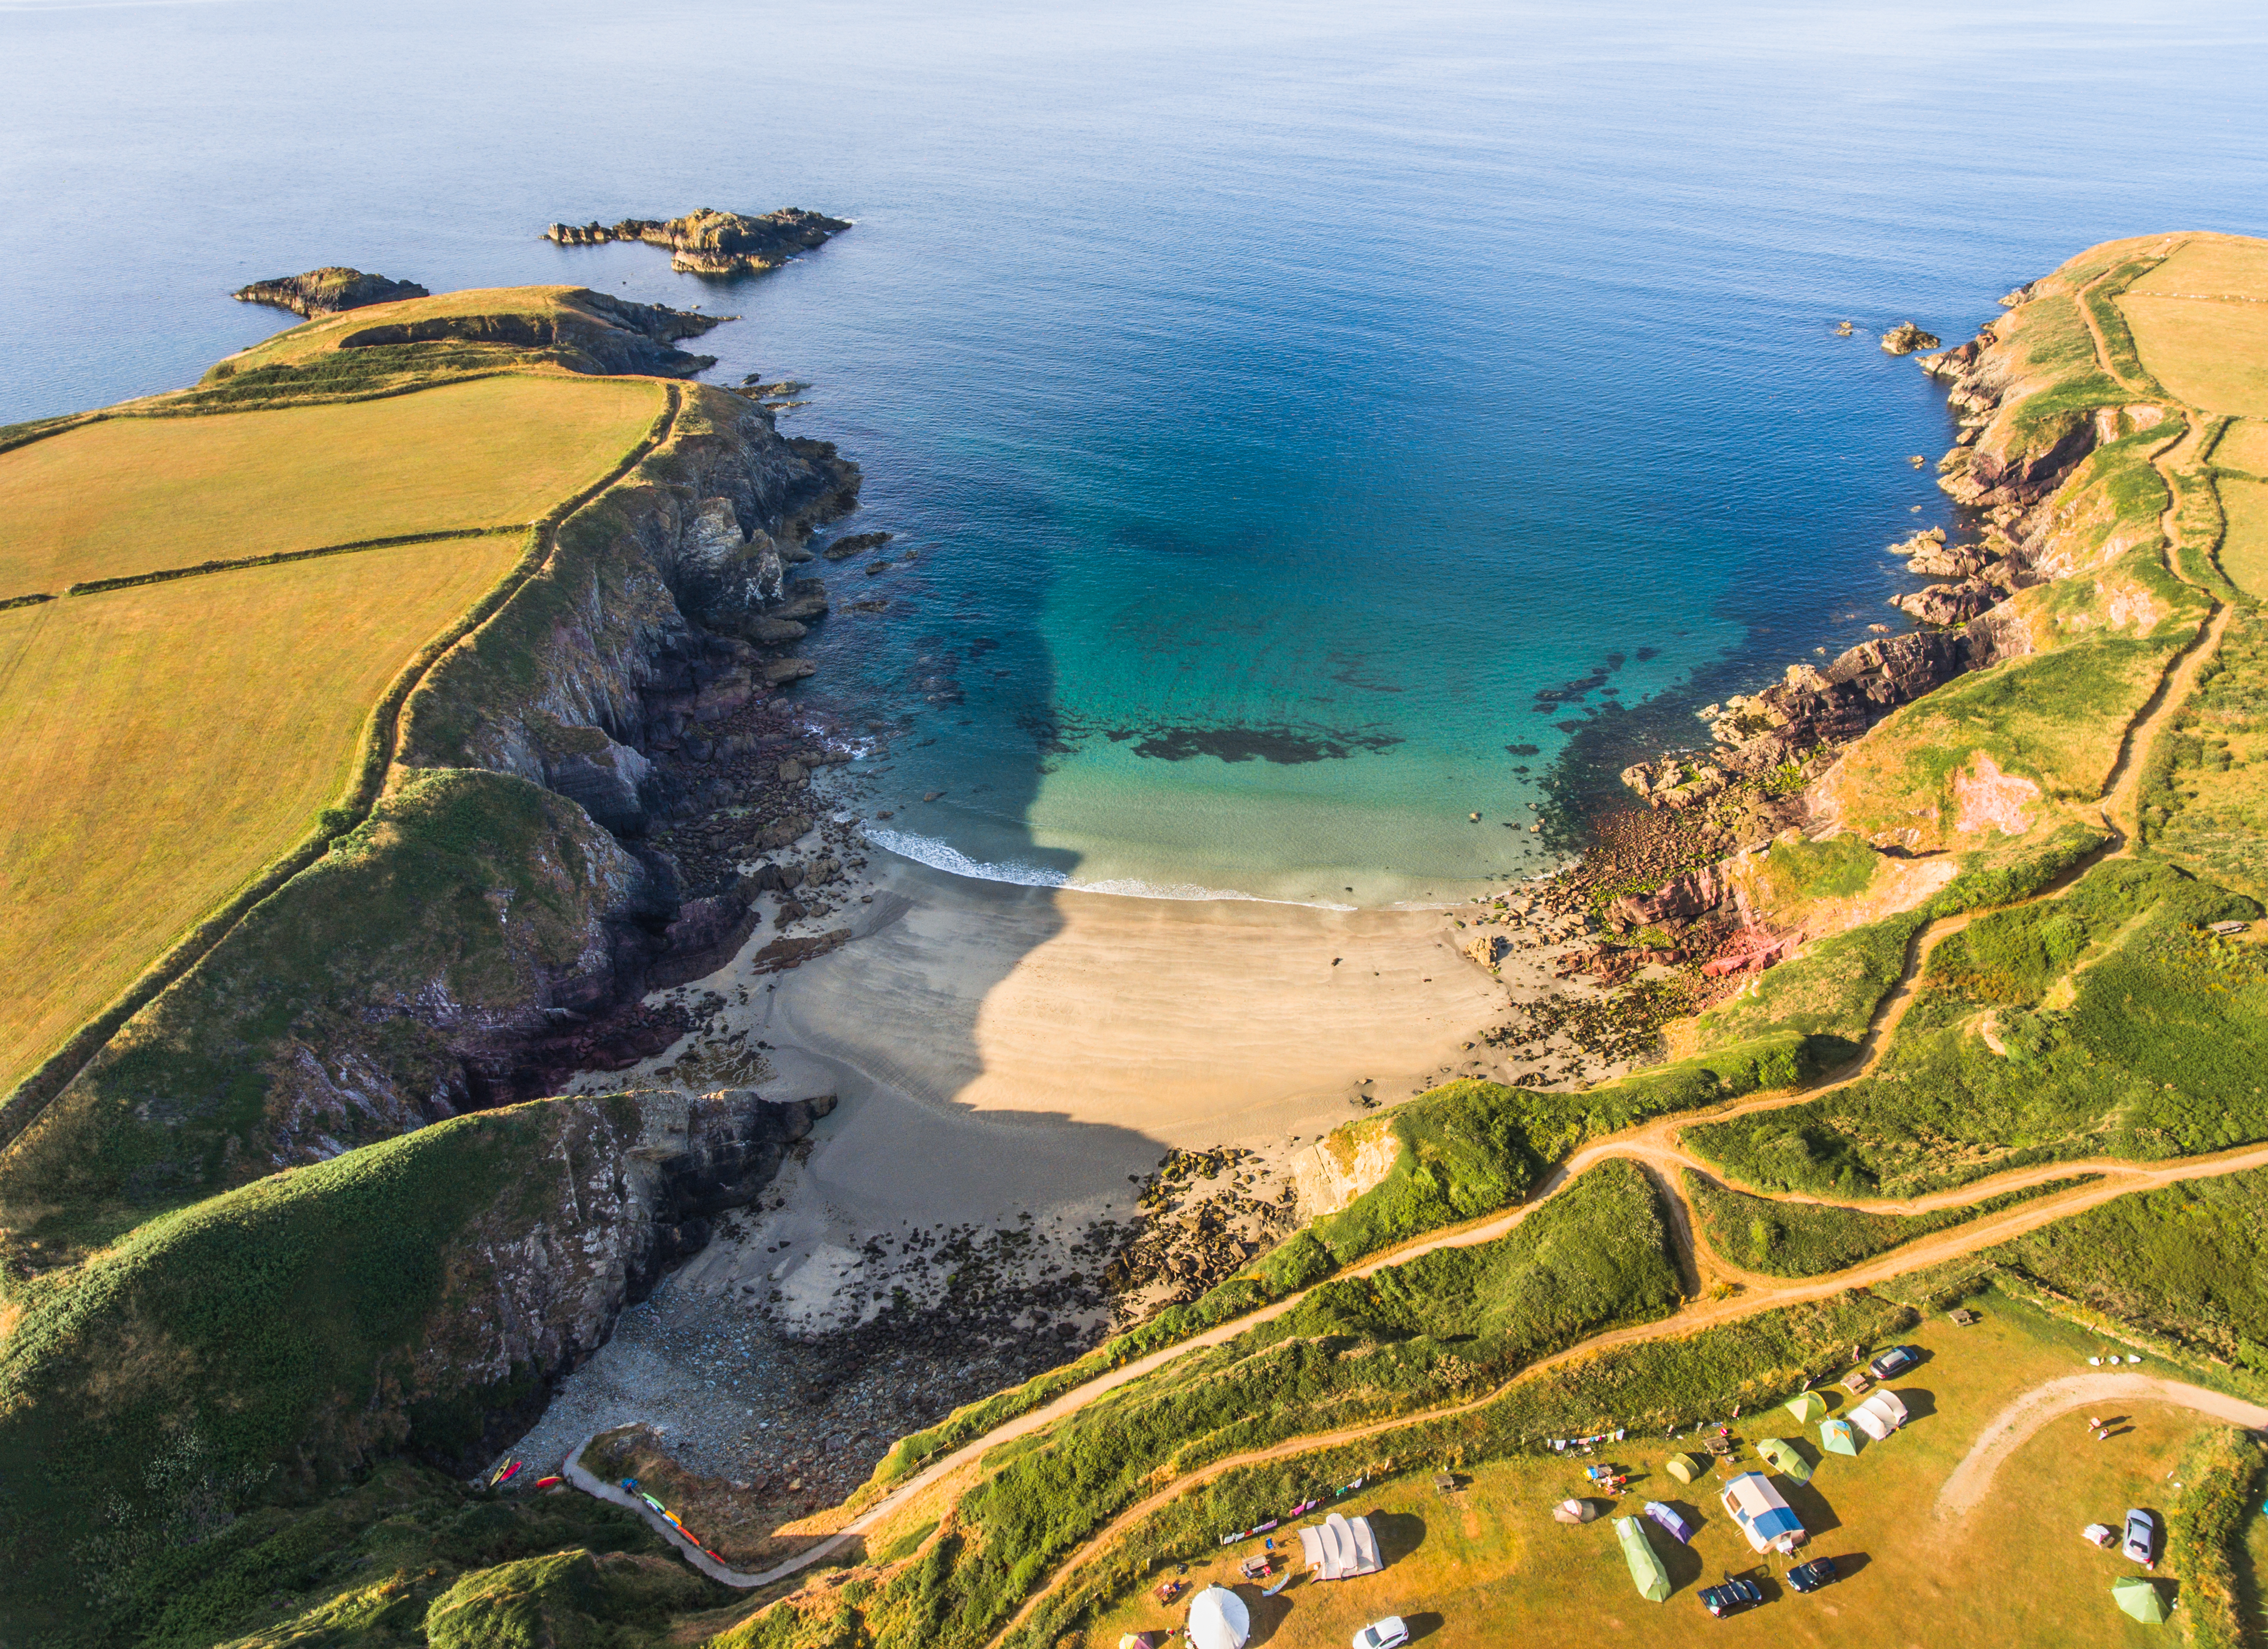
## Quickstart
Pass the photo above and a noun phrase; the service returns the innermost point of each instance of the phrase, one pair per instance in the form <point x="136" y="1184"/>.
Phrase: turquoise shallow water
<point x="1277" y="399"/>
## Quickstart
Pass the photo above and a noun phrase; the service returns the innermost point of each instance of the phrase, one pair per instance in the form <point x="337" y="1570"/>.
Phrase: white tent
<point x="1342" y="1547"/>
<point x="1879" y="1415"/>
<point x="1218" y="1620"/>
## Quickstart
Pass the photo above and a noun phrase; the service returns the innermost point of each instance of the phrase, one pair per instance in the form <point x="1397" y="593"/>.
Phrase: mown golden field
<point x="167" y="741"/>
<point x="134" y="495"/>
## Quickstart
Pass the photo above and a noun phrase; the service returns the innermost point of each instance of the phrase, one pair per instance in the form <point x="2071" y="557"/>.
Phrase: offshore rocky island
<point x="1931" y="983"/>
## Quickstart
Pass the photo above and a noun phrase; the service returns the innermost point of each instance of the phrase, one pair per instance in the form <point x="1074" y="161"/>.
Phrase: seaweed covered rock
<point x="1905" y="338"/>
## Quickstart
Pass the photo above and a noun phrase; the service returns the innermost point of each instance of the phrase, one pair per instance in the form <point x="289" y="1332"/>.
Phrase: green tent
<point x="2140" y="1598"/>
<point x="1646" y="1572"/>
<point x="1688" y="1468"/>
<point x="1784" y="1460"/>
<point x="1807" y="1406"/>
<point x="1837" y="1438"/>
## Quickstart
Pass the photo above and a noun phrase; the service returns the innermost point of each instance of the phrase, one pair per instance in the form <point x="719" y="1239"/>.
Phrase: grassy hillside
<point x="134" y="495"/>
<point x="264" y="1050"/>
<point x="1453" y="1322"/>
<point x="256" y="1347"/>
<point x="167" y="740"/>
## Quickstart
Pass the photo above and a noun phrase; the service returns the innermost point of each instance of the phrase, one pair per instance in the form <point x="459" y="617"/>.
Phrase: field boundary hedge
<point x="382" y="731"/>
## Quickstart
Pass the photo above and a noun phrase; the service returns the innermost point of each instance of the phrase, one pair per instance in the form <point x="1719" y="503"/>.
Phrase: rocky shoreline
<point x="1749" y="785"/>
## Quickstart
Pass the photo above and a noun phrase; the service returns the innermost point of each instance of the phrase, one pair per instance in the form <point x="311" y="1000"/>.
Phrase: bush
<point x="2221" y="1478"/>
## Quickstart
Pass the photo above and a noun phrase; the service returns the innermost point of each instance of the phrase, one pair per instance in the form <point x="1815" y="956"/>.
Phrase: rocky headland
<point x="326" y="292"/>
<point x="588" y="331"/>
<point x="707" y="241"/>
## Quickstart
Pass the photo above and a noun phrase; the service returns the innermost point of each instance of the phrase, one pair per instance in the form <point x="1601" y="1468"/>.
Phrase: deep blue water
<point x="1305" y="386"/>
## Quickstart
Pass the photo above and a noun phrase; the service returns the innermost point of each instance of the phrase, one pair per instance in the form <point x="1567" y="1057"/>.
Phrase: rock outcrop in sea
<point x="1905" y="338"/>
<point x="707" y="241"/>
<point x="326" y="292"/>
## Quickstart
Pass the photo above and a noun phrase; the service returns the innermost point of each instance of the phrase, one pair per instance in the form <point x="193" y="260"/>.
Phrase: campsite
<point x="1485" y="1562"/>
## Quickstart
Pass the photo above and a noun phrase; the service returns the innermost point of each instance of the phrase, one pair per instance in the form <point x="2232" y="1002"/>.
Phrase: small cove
<point x="1303" y="425"/>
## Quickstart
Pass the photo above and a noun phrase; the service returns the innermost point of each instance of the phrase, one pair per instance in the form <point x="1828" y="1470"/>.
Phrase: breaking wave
<point x="941" y="856"/>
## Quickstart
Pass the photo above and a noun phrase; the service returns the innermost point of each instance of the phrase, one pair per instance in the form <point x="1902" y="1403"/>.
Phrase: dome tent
<point x="1218" y="1620"/>
<point x="2141" y="1598"/>
<point x="1805" y="1406"/>
<point x="1837" y="1438"/>
<point x="1574" y="1511"/>
<point x="1687" y="1467"/>
<point x="1784" y="1460"/>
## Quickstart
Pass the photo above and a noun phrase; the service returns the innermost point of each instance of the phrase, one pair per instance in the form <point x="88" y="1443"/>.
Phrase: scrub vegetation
<point x="2123" y="1029"/>
<point x="2220" y="1483"/>
<point x="1788" y="1239"/>
<point x="2187" y="1263"/>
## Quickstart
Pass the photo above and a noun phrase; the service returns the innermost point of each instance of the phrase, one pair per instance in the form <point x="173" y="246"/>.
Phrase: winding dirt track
<point x="2022" y="1420"/>
<point x="1655" y="1149"/>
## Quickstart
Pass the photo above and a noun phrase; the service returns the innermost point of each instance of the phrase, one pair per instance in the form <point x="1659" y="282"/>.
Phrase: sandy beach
<point x="1005" y="1060"/>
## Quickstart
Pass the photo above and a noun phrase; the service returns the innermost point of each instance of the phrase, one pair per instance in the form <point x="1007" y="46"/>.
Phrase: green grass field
<point x="168" y="740"/>
<point x="2124" y="1029"/>
<point x="1485" y="1565"/>
<point x="134" y="495"/>
<point x="2244" y="446"/>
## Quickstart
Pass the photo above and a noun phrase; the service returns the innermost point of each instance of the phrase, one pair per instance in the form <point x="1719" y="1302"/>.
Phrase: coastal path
<point x="1655" y="1146"/>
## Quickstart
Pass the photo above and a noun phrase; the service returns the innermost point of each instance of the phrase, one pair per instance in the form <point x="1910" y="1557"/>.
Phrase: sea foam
<point x="941" y="855"/>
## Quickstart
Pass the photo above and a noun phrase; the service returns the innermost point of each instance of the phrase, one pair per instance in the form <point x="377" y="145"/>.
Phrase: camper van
<point x="1763" y="1513"/>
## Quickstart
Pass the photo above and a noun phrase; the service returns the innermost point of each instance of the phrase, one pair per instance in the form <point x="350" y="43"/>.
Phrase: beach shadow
<point x="1849" y="1563"/>
<point x="1399" y="1533"/>
<point x="1919" y="1404"/>
<point x="1423" y="1626"/>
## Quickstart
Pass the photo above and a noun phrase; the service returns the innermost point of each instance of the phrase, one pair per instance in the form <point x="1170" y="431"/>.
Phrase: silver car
<point x="1390" y="1633"/>
<point x="2141" y="1541"/>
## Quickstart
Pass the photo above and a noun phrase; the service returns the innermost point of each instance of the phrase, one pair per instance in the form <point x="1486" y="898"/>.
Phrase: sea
<point x="1303" y="427"/>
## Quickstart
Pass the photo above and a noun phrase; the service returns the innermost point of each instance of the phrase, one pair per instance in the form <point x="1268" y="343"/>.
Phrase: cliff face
<point x="419" y="1295"/>
<point x="533" y="1292"/>
<point x="590" y="332"/>
<point x="639" y="627"/>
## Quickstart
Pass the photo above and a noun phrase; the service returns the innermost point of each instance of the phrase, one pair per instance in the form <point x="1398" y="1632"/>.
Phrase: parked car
<point x="2141" y="1541"/>
<point x="1895" y="1361"/>
<point x="1734" y="1595"/>
<point x="1390" y="1633"/>
<point x="1810" y="1577"/>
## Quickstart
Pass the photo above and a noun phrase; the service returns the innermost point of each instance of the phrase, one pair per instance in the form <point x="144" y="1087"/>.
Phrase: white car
<point x="1390" y="1633"/>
